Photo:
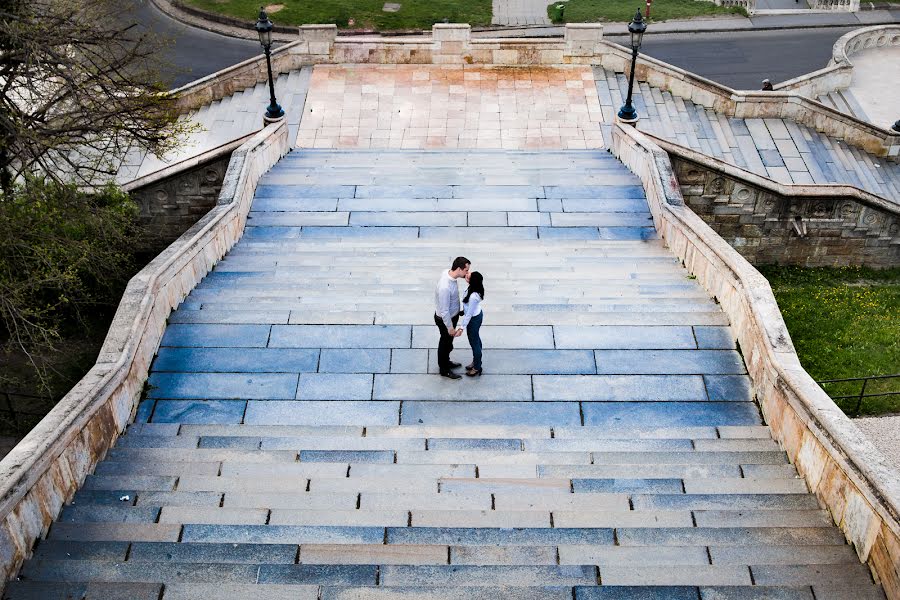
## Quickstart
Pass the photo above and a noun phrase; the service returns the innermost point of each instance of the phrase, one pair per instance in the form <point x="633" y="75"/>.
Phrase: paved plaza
<point x="425" y="106"/>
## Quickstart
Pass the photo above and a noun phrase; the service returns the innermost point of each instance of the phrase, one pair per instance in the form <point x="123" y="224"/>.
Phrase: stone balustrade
<point x="747" y="5"/>
<point x="836" y="5"/>
<point x="838" y="73"/>
<point x="877" y="36"/>
<point x="44" y="470"/>
<point x="848" y="475"/>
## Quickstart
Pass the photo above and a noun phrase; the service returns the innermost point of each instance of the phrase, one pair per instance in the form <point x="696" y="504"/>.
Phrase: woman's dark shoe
<point x="470" y="366"/>
<point x="473" y="372"/>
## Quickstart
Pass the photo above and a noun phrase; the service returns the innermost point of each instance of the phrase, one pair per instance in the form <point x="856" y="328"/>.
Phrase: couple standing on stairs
<point x="447" y="312"/>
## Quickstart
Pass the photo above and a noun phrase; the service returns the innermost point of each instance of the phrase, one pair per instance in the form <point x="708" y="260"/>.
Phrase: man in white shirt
<point x="446" y="313"/>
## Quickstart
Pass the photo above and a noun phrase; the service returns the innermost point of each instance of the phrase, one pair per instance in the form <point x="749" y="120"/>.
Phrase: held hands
<point x="454" y="332"/>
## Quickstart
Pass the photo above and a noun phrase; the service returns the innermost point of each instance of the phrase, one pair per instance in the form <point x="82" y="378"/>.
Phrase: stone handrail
<point x="839" y="71"/>
<point x="46" y="468"/>
<point x="847" y="474"/>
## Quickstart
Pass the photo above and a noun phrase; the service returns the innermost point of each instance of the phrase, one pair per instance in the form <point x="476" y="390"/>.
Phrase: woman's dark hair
<point x="476" y="284"/>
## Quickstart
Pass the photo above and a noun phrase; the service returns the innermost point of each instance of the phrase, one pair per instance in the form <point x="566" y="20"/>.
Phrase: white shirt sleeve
<point x="443" y="302"/>
<point x="471" y="309"/>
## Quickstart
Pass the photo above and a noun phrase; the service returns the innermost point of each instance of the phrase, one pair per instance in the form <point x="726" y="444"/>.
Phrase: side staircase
<point x="224" y="121"/>
<point x="779" y="149"/>
<point x="296" y="443"/>
<point x="844" y="101"/>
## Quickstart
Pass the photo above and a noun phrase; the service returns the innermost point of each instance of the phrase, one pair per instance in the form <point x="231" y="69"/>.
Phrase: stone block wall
<point x="171" y="205"/>
<point x="812" y="227"/>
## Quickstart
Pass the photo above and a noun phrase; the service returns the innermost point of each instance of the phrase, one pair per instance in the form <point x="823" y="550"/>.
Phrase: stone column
<point x="582" y="42"/>
<point x="450" y="43"/>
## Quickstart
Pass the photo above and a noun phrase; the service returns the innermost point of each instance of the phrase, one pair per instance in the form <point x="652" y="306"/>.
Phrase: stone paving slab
<point x="334" y="386"/>
<point x="274" y="386"/>
<point x="670" y="414"/>
<point x="312" y="412"/>
<point x="493" y="388"/>
<point x="33" y="590"/>
<point x="202" y="335"/>
<point x="195" y="411"/>
<point x="618" y="388"/>
<point x="492" y="413"/>
<point x="231" y="360"/>
<point x="624" y="337"/>
<point x="504" y="337"/>
<point x="340" y="336"/>
<point x="526" y="362"/>
<point x="673" y="362"/>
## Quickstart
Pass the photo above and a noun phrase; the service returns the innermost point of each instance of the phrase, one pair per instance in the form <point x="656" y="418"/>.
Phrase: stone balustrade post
<point x="317" y="41"/>
<point x="451" y="43"/>
<point x="582" y="41"/>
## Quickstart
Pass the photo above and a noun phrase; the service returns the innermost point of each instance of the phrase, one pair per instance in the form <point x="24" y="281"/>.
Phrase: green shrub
<point x="556" y="12"/>
<point x="65" y="256"/>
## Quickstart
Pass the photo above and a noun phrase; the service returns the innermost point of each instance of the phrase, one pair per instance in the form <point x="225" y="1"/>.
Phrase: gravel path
<point x="884" y="432"/>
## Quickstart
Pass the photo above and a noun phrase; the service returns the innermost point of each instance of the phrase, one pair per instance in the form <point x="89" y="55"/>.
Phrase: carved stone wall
<point x="171" y="205"/>
<point x="772" y="228"/>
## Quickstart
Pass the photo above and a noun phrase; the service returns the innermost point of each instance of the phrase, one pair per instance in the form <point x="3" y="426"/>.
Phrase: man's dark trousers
<point x="445" y="346"/>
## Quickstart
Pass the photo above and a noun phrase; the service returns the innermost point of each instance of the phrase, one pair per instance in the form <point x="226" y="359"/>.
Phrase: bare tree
<point x="78" y="88"/>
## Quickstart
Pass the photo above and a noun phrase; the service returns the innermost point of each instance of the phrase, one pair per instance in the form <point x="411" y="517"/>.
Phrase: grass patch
<point x="592" y="11"/>
<point x="366" y="14"/>
<point x="844" y="322"/>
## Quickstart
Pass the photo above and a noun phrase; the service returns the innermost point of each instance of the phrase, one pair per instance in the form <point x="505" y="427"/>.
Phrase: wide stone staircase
<point x="294" y="441"/>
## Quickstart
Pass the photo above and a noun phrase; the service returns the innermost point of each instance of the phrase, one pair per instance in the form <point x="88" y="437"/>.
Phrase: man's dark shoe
<point x="455" y="365"/>
<point x="451" y="375"/>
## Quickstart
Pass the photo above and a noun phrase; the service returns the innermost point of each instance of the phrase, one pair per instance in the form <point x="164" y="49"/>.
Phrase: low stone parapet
<point x="44" y="470"/>
<point x="850" y="477"/>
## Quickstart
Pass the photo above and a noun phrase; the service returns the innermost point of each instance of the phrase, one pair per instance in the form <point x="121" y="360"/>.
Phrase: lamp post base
<point x="267" y="120"/>
<point x="627" y="114"/>
<point x="274" y="111"/>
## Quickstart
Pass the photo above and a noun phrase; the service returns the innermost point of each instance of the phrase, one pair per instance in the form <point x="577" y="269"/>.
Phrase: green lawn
<point x="366" y="14"/>
<point x="844" y="323"/>
<point x="591" y="11"/>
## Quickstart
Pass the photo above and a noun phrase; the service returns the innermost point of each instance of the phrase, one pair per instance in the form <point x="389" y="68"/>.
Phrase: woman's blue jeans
<point x="472" y="331"/>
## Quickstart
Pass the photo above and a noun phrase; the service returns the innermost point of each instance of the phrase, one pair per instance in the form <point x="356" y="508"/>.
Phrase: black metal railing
<point x="21" y="412"/>
<point x="862" y="390"/>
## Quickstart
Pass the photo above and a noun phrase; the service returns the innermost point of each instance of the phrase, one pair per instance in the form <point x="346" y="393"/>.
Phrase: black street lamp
<point x="636" y="28"/>
<point x="896" y="127"/>
<point x="264" y="29"/>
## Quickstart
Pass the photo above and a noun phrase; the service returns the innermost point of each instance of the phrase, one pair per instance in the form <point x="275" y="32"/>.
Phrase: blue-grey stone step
<point x="35" y="590"/>
<point x="489" y="575"/>
<point x="444" y="592"/>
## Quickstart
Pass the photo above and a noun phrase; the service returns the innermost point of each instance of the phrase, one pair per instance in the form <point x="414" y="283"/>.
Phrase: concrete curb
<point x="231" y="27"/>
